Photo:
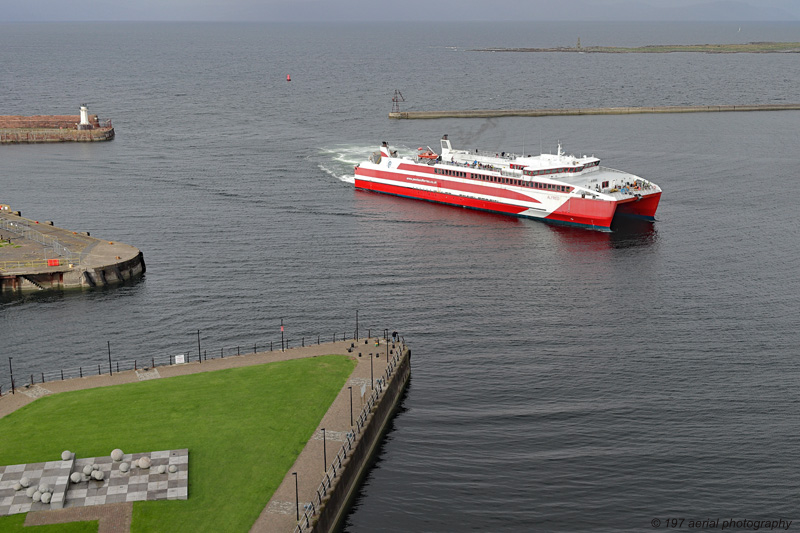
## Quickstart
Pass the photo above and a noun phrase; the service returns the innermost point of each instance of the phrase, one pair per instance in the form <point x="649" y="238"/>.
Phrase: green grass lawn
<point x="244" y="428"/>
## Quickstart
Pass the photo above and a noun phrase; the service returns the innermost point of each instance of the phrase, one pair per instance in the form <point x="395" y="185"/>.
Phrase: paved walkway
<point x="280" y="514"/>
<point x="112" y="517"/>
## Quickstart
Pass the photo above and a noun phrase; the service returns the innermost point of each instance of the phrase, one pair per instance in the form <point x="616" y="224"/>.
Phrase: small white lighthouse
<point x="84" y="123"/>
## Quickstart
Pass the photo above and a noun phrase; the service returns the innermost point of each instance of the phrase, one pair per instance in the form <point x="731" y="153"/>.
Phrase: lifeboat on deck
<point x="427" y="154"/>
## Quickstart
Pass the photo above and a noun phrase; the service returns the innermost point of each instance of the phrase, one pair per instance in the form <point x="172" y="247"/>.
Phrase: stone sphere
<point x="87" y="470"/>
<point x="44" y="487"/>
<point x="95" y="467"/>
<point x="25" y="482"/>
<point x="66" y="455"/>
<point x="17" y="486"/>
<point x="37" y="496"/>
<point x="124" y="467"/>
<point x="117" y="455"/>
<point x="98" y="475"/>
<point x="76" y="477"/>
<point x="46" y="497"/>
<point x="173" y="469"/>
<point x="30" y="492"/>
<point x="144" y="462"/>
<point x="162" y="469"/>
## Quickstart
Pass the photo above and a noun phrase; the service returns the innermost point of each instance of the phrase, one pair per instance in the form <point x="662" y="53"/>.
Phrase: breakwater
<point x="16" y="129"/>
<point x="38" y="256"/>
<point x="494" y="113"/>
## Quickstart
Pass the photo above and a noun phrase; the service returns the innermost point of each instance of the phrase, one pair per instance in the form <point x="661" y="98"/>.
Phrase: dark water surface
<point x="563" y="379"/>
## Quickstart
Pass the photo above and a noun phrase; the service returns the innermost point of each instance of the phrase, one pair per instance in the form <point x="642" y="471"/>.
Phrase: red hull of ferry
<point x="576" y="211"/>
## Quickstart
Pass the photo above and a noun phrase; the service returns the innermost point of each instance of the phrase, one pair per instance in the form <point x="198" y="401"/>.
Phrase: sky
<point x="401" y="10"/>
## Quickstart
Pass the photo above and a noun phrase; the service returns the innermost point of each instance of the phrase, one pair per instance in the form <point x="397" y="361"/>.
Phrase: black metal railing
<point x="338" y="463"/>
<point x="109" y="365"/>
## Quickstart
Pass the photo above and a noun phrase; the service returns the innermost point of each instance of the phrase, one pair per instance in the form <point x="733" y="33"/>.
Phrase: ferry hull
<point x="645" y="208"/>
<point x="438" y="197"/>
<point x="578" y="212"/>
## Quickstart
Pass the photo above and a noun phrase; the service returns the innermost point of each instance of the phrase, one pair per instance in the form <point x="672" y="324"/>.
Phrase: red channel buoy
<point x="288" y="77"/>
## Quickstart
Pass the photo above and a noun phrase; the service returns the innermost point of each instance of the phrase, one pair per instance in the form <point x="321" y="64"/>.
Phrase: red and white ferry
<point x="554" y="187"/>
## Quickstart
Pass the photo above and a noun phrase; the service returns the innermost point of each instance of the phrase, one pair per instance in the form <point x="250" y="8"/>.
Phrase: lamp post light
<point x="324" y="452"/>
<point x="351" y="406"/>
<point x="296" y="496"/>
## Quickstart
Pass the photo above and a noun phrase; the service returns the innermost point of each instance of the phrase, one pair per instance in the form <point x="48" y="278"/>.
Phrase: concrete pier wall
<point x="16" y="129"/>
<point x="29" y="262"/>
<point x="492" y="113"/>
<point x="75" y="277"/>
<point x="337" y="503"/>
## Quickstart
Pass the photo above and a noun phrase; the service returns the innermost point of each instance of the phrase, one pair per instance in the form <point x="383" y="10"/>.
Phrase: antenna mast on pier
<point x="396" y="99"/>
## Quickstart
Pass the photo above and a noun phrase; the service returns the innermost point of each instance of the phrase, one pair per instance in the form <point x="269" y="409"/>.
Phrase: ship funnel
<point x="446" y="146"/>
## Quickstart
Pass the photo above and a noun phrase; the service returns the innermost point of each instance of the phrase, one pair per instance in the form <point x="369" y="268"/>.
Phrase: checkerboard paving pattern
<point x="138" y="484"/>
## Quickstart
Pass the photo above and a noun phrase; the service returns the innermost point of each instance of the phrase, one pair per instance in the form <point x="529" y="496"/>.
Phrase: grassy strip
<point x="244" y="428"/>
<point x="16" y="523"/>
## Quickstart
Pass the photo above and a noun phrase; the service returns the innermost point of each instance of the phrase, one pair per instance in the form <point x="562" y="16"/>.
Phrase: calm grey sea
<point x="563" y="379"/>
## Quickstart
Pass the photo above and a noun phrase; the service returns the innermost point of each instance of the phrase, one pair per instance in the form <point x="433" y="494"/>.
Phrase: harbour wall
<point x="335" y="506"/>
<point x="16" y="129"/>
<point x="73" y="277"/>
<point x="493" y="113"/>
<point x="42" y="256"/>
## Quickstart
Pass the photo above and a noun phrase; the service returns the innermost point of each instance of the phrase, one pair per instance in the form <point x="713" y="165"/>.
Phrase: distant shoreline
<point x="751" y="48"/>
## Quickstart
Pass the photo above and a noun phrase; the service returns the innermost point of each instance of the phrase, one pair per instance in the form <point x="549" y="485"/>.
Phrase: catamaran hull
<point x="582" y="212"/>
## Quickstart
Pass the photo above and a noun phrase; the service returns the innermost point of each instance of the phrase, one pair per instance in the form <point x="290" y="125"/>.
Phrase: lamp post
<point x="351" y="406"/>
<point x="110" y="372"/>
<point x="371" y="377"/>
<point x="11" y="370"/>
<point x="356" y="324"/>
<point x="199" y="354"/>
<point x="281" y="334"/>
<point x="324" y="452"/>
<point x="296" y="496"/>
